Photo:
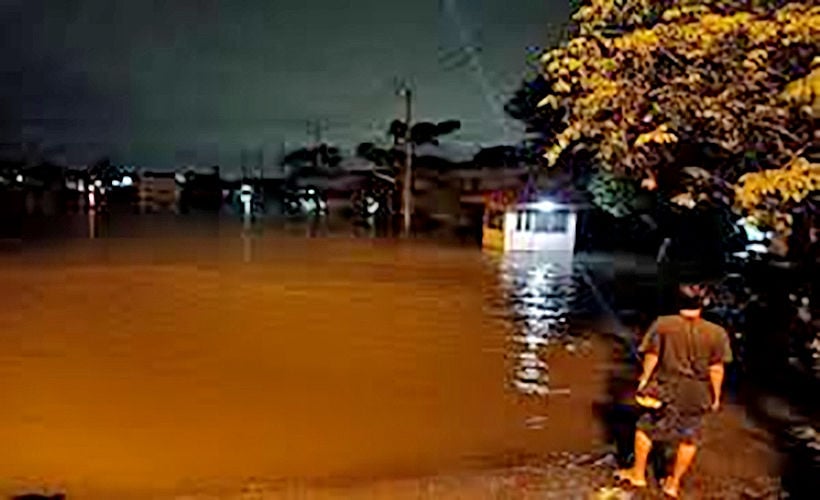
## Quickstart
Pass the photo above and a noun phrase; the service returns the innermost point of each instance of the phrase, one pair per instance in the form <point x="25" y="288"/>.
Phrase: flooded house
<point x="157" y="191"/>
<point x="546" y="216"/>
<point x="201" y="190"/>
<point x="452" y="194"/>
<point x="44" y="188"/>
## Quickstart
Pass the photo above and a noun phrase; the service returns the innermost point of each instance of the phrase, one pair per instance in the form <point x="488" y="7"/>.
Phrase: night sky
<point x="159" y="83"/>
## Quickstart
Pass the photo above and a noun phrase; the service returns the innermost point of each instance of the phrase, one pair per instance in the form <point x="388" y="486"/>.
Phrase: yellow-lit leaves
<point x="640" y="40"/>
<point x="689" y="67"/>
<point x="550" y="100"/>
<point x="756" y="59"/>
<point x="775" y="187"/>
<point x="805" y="91"/>
<point x="562" y="87"/>
<point x="709" y="72"/>
<point x="660" y="135"/>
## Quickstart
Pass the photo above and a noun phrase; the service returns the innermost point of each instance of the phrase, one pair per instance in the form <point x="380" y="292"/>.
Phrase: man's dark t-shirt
<point x="686" y="348"/>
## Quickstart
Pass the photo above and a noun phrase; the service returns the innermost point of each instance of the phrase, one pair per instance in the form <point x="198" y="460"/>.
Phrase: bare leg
<point x="636" y="475"/>
<point x="684" y="458"/>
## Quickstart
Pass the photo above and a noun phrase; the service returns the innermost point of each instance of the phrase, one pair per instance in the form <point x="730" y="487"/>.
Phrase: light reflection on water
<point x="540" y="291"/>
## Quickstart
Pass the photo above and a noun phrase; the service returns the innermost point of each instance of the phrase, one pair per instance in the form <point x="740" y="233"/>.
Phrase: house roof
<point x="158" y="175"/>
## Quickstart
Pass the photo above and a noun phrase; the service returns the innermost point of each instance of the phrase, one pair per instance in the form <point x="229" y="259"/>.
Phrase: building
<point x="451" y="195"/>
<point x="157" y="191"/>
<point x="201" y="191"/>
<point x="545" y="216"/>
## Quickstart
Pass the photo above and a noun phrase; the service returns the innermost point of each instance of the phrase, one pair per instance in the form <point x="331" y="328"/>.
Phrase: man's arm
<point x="650" y="347"/>
<point x="721" y="355"/>
<point x="650" y="361"/>
<point x="716" y="378"/>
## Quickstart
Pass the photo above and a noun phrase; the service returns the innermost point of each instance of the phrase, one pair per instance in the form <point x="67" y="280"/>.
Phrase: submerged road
<point x="144" y="366"/>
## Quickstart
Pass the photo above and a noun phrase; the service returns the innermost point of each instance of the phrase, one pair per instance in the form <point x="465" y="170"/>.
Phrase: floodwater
<point x="168" y="357"/>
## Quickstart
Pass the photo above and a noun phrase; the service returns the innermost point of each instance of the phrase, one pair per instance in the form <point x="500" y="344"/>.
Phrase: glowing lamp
<point x="545" y="206"/>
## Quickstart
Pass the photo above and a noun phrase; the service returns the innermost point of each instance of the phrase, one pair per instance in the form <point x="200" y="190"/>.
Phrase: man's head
<point x="690" y="299"/>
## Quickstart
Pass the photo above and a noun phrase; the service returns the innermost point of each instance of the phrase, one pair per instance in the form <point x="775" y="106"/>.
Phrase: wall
<point x="515" y="240"/>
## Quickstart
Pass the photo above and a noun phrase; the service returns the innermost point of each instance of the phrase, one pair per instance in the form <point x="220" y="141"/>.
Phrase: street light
<point x="545" y="206"/>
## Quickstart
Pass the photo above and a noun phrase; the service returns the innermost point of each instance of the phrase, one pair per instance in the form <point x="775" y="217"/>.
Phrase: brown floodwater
<point x="202" y="354"/>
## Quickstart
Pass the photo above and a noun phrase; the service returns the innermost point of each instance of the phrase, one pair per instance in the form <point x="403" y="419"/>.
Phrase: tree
<point x="381" y="157"/>
<point x="498" y="156"/>
<point x="541" y="122"/>
<point x="322" y="155"/>
<point x="729" y="86"/>
<point x="420" y="133"/>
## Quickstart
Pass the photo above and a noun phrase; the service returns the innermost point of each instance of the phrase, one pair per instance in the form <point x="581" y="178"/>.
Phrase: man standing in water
<point x="689" y="354"/>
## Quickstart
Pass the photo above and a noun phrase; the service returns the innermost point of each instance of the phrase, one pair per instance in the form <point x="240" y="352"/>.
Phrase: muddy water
<point x="195" y="358"/>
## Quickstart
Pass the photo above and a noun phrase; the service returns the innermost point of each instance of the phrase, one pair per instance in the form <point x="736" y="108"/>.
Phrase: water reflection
<point x="540" y="291"/>
<point x="247" y="239"/>
<point x="92" y="224"/>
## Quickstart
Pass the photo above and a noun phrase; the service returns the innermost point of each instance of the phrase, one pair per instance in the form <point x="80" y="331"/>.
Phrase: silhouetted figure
<point x="683" y="371"/>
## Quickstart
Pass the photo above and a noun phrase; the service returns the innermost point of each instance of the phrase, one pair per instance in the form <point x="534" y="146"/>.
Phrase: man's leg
<point x="636" y="475"/>
<point x="690" y="427"/>
<point x="683" y="459"/>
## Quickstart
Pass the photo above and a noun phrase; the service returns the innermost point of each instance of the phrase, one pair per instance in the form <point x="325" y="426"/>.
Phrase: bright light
<point x="544" y="206"/>
<point x="180" y="178"/>
<point x="752" y="232"/>
<point x="757" y="248"/>
<point x="19" y="178"/>
<point x="245" y="196"/>
<point x="98" y="183"/>
<point x="372" y="206"/>
<point x="126" y="181"/>
<point x="115" y="183"/>
<point x="81" y="186"/>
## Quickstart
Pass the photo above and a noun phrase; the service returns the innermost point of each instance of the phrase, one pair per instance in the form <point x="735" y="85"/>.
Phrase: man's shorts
<point x="669" y="424"/>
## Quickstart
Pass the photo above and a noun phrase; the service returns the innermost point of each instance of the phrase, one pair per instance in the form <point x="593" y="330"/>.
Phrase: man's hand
<point x="716" y="379"/>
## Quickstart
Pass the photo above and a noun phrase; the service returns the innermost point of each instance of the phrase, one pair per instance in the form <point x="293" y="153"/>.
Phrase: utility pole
<point x="407" y="188"/>
<point x="314" y="131"/>
<point x="243" y="164"/>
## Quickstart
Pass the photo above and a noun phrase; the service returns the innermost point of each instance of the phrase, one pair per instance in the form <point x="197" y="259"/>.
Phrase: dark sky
<point x="160" y="82"/>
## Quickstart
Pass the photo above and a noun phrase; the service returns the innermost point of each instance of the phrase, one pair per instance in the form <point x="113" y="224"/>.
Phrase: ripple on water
<point x="539" y="293"/>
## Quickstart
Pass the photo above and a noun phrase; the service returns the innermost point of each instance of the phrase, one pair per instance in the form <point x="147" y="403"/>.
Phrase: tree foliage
<point x="641" y="80"/>
<point x="420" y="133"/>
<point x="612" y="194"/>
<point x="313" y="157"/>
<point x="770" y="196"/>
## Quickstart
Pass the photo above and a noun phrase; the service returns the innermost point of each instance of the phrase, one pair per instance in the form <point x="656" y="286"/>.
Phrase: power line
<point x="451" y="9"/>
